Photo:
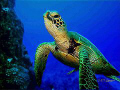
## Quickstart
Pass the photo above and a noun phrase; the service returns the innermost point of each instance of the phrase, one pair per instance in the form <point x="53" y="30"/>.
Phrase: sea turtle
<point x="74" y="50"/>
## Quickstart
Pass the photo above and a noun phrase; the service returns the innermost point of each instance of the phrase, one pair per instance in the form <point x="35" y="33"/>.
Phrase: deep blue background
<point x="98" y="21"/>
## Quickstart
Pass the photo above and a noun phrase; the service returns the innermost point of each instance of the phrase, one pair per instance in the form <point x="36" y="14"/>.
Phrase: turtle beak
<point x="46" y="14"/>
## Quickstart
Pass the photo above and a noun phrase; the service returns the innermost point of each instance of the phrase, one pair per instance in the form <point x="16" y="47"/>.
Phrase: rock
<point x="15" y="67"/>
<point x="18" y="76"/>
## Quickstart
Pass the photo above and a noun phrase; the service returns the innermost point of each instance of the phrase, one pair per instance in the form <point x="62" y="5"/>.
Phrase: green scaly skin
<point x="87" y="78"/>
<point x="74" y="50"/>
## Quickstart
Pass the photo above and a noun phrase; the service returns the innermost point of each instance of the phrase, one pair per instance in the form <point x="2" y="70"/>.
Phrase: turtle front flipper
<point x="40" y="60"/>
<point x="87" y="79"/>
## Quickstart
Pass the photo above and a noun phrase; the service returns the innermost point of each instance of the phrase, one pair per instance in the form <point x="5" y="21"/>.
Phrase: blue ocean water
<point x="98" y="21"/>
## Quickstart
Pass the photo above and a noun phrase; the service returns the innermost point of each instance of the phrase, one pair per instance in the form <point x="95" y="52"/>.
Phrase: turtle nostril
<point x="47" y="13"/>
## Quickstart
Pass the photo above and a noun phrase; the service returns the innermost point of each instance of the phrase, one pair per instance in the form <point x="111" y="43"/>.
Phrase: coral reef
<point x="15" y="65"/>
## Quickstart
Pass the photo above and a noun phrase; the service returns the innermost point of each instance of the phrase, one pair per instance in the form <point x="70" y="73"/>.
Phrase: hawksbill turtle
<point x="74" y="50"/>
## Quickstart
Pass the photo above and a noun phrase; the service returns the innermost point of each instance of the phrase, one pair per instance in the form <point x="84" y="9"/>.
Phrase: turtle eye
<point x="56" y="16"/>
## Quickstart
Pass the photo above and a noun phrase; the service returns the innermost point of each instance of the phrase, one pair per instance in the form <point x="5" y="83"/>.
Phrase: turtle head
<point x="54" y="23"/>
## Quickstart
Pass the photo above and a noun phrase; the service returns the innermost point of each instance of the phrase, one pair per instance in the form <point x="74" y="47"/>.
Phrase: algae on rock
<point x="15" y="72"/>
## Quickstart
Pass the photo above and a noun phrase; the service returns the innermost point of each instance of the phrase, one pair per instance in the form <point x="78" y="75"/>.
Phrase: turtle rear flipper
<point x="40" y="60"/>
<point x="87" y="79"/>
<point x="110" y="72"/>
